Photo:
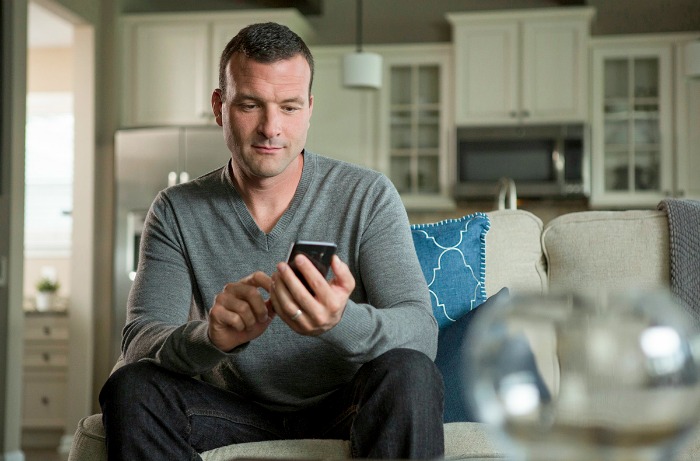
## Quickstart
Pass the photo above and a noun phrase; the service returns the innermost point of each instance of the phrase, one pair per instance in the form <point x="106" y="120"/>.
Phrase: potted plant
<point x="46" y="291"/>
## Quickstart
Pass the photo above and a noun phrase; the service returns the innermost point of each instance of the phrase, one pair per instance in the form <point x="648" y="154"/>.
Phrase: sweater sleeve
<point x="398" y="312"/>
<point x="158" y="325"/>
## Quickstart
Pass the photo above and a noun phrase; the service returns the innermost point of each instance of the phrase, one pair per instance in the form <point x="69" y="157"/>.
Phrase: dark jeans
<point x="391" y="409"/>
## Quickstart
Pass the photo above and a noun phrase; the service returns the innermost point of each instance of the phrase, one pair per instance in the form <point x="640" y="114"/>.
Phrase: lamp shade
<point x="692" y="59"/>
<point x="362" y="70"/>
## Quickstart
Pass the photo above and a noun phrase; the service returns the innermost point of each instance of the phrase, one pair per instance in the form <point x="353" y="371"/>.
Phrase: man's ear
<point x="217" y="105"/>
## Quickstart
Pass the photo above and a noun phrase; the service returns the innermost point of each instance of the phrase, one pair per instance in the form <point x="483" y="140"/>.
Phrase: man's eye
<point x="248" y="106"/>
<point x="290" y="109"/>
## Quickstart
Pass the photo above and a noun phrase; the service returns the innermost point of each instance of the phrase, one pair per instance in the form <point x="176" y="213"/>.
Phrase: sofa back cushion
<point x="607" y="250"/>
<point x="514" y="256"/>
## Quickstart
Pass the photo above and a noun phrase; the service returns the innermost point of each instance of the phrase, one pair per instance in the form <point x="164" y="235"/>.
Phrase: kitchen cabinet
<point x="640" y="148"/>
<point x="170" y="62"/>
<point x="401" y="129"/>
<point x="45" y="377"/>
<point x="415" y="120"/>
<point x="687" y="117"/>
<point x="521" y="66"/>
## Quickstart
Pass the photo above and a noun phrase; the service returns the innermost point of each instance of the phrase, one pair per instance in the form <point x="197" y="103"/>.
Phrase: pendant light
<point x="362" y="69"/>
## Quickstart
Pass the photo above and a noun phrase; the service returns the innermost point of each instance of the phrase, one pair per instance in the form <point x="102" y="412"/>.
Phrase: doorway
<point x="49" y="154"/>
<point x="59" y="228"/>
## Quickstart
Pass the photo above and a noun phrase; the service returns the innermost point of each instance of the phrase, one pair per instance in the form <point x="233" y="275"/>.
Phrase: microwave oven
<point x="542" y="160"/>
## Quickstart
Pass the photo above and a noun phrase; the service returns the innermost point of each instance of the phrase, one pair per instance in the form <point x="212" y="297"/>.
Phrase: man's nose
<point x="270" y="123"/>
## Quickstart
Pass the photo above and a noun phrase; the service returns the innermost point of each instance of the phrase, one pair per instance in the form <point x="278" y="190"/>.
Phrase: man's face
<point x="265" y="113"/>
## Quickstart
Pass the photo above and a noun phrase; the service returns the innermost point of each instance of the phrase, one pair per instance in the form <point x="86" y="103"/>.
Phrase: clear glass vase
<point x="575" y="377"/>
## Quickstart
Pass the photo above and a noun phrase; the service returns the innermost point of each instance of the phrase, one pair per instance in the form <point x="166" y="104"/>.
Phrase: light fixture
<point x="362" y="69"/>
<point x="692" y="59"/>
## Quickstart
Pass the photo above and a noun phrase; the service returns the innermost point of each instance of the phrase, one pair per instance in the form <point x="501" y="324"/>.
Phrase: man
<point x="352" y="361"/>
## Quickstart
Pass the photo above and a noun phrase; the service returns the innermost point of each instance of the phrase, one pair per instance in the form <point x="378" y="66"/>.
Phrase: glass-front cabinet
<point x="632" y="125"/>
<point x="415" y="137"/>
<point x="415" y="128"/>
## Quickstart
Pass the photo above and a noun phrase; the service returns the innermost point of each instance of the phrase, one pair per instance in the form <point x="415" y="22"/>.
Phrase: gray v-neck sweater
<point x="198" y="236"/>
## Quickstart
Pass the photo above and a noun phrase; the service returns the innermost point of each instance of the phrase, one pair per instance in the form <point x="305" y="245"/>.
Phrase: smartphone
<point x="319" y="253"/>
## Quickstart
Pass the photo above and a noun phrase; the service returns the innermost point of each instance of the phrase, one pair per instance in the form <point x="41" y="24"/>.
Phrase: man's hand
<point x="303" y="312"/>
<point x="239" y="313"/>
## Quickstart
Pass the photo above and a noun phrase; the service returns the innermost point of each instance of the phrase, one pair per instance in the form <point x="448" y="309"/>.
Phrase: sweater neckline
<point x="262" y="239"/>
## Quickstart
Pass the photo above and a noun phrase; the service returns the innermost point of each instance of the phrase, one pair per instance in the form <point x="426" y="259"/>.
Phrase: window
<point x="49" y="175"/>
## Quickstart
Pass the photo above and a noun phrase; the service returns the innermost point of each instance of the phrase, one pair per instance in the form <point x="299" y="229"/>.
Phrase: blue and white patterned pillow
<point x="452" y="255"/>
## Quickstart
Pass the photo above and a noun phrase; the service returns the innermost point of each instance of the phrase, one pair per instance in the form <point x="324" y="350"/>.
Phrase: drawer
<point x="44" y="400"/>
<point x="45" y="357"/>
<point x="46" y="327"/>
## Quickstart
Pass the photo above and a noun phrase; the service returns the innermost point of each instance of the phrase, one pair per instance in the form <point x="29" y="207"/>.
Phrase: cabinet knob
<point x="525" y="113"/>
<point x="45" y="401"/>
<point x="513" y="113"/>
<point x="46" y="356"/>
<point x="47" y="331"/>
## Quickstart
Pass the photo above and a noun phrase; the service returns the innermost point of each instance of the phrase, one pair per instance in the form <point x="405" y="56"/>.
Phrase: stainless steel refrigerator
<point x="148" y="160"/>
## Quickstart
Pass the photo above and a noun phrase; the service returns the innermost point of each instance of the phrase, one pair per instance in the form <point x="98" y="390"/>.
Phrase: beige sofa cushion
<point x="607" y="250"/>
<point x="514" y="253"/>
<point x="462" y="441"/>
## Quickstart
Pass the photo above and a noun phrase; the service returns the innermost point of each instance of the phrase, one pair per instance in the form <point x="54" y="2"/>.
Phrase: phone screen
<point x="319" y="253"/>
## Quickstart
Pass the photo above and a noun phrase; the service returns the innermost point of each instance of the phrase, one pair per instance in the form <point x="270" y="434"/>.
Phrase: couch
<point x="607" y="249"/>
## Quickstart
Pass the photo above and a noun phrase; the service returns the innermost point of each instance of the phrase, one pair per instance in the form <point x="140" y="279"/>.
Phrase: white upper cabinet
<point x="642" y="148"/>
<point x="521" y="67"/>
<point x="170" y="62"/>
<point x="687" y="117"/>
<point x="165" y="79"/>
<point x="415" y="120"/>
<point x="402" y="129"/>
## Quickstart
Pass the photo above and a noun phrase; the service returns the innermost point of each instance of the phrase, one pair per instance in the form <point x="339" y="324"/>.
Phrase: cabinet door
<point x="414" y="128"/>
<point x="168" y="74"/>
<point x="44" y="400"/>
<point x="554" y="71"/>
<point x="414" y="140"/>
<point x="688" y="148"/>
<point x="487" y="73"/>
<point x="632" y="126"/>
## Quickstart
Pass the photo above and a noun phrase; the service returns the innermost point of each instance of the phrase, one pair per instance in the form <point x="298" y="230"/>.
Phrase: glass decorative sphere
<point x="571" y="377"/>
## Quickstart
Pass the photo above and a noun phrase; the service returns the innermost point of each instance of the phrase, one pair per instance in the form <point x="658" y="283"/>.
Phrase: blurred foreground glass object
<point x="569" y="377"/>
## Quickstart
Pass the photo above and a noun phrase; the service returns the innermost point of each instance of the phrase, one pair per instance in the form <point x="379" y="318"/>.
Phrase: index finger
<point x="259" y="280"/>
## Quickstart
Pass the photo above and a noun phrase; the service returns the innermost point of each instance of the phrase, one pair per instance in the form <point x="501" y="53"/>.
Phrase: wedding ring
<point x="297" y="315"/>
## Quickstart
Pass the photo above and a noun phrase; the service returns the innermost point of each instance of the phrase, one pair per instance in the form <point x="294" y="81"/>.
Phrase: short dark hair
<point x="265" y="43"/>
